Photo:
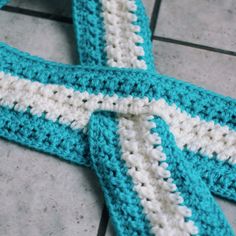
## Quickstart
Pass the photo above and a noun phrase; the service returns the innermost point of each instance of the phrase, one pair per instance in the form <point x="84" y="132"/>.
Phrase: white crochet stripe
<point x="121" y="34"/>
<point x="74" y="108"/>
<point x="198" y="135"/>
<point x="152" y="180"/>
<point x="122" y="51"/>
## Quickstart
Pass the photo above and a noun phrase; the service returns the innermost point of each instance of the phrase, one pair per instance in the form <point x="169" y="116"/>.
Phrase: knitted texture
<point x="161" y="148"/>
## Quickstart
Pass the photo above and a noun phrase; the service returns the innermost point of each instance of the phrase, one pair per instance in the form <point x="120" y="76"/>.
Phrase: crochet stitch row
<point x="148" y="168"/>
<point x="120" y="31"/>
<point x="74" y="108"/>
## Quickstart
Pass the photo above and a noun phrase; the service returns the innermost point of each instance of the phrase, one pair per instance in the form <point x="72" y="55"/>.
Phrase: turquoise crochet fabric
<point x="159" y="146"/>
<point x="3" y="2"/>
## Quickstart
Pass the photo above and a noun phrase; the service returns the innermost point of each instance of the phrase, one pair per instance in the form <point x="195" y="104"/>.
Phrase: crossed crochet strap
<point x="157" y="145"/>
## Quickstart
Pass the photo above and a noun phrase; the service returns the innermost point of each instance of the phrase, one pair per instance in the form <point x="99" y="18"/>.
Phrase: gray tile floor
<point x="44" y="196"/>
<point x="208" y="22"/>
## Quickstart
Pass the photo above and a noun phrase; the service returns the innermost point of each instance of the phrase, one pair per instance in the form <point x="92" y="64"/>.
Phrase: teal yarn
<point x="3" y="2"/>
<point x="89" y="32"/>
<point x="221" y="180"/>
<point x="109" y="81"/>
<point x="101" y="143"/>
<point x="205" y="210"/>
<point x="43" y="135"/>
<point x="123" y="203"/>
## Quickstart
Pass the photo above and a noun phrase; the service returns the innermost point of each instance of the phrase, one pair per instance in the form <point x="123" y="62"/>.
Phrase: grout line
<point x="103" y="222"/>
<point x="155" y="14"/>
<point x="64" y="19"/>
<point x="194" y="45"/>
<point x="39" y="14"/>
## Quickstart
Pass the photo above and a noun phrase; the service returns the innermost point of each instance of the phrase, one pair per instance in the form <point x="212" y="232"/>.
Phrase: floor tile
<point x="110" y="230"/>
<point x="229" y="209"/>
<point x="57" y="7"/>
<point x="148" y="4"/>
<point x="207" y="69"/>
<point x="207" y="22"/>
<point x="41" y="195"/>
<point x="45" y="38"/>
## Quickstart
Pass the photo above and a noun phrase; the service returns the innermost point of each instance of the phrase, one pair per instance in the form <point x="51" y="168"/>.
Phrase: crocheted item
<point x="173" y="197"/>
<point x="161" y="148"/>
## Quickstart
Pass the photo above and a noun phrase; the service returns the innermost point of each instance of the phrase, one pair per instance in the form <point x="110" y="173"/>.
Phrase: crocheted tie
<point x="157" y="145"/>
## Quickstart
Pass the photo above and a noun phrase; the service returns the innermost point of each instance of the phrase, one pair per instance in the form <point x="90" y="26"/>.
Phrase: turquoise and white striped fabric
<point x="159" y="146"/>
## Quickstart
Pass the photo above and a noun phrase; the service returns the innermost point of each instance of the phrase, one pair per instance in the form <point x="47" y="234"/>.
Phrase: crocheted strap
<point x="108" y="31"/>
<point x="110" y="90"/>
<point x="202" y="143"/>
<point x="149" y="187"/>
<point x="218" y="174"/>
<point x="47" y="106"/>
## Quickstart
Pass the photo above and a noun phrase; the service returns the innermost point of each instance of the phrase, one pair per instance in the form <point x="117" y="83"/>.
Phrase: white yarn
<point x="121" y="34"/>
<point x="159" y="196"/>
<point x="151" y="178"/>
<point x="197" y="135"/>
<point x="74" y="108"/>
